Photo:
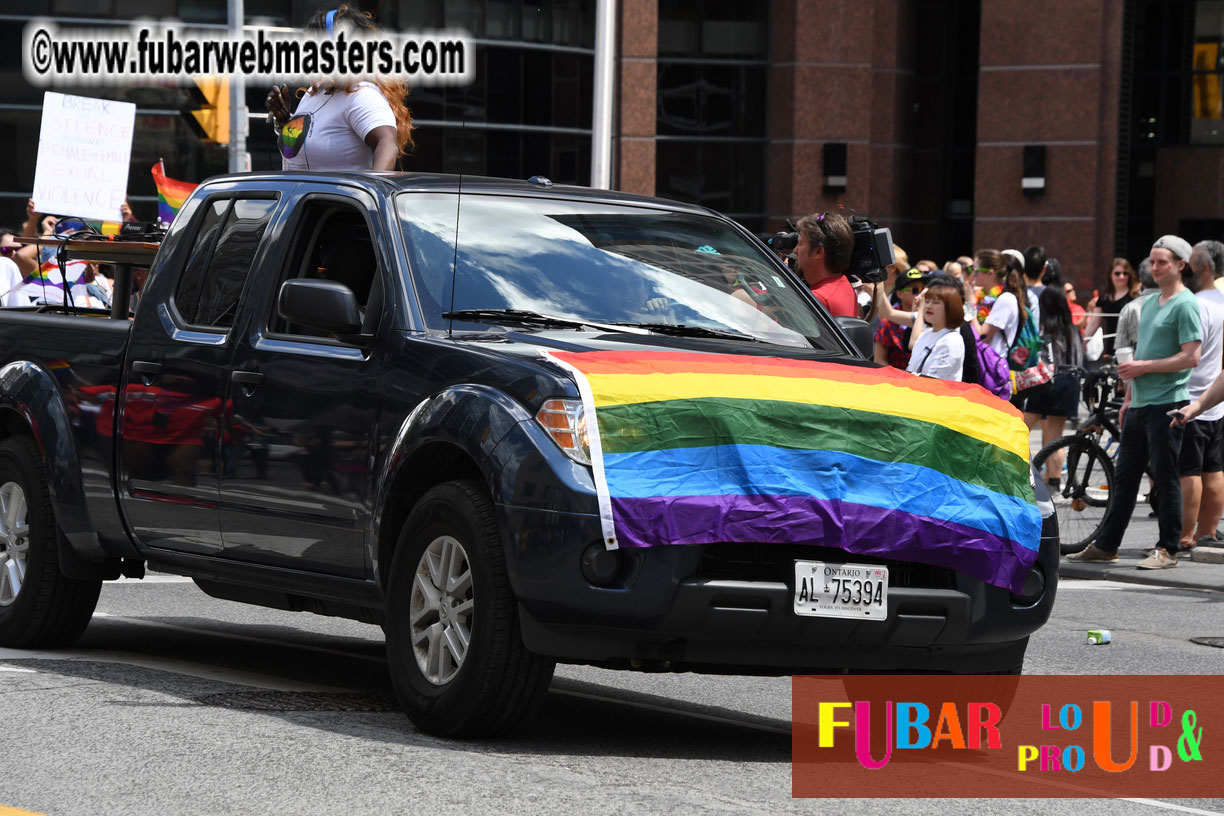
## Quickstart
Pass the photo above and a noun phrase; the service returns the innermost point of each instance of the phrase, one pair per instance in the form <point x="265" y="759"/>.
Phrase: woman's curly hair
<point x="395" y="90"/>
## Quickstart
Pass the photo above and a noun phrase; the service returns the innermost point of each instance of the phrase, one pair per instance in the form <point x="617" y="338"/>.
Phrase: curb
<point x="1209" y="555"/>
<point x="1127" y="574"/>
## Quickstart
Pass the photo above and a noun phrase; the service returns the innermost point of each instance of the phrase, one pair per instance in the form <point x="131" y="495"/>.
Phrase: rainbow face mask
<point x="293" y="135"/>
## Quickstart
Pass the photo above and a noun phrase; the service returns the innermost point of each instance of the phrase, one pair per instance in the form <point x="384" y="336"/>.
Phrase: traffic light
<point x="211" y="120"/>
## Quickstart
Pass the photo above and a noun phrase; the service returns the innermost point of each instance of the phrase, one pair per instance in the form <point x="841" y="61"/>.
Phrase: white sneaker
<point x="1159" y="559"/>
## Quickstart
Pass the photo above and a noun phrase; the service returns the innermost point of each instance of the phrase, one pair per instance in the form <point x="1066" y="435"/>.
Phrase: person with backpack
<point x="1003" y="302"/>
<point x="1065" y="350"/>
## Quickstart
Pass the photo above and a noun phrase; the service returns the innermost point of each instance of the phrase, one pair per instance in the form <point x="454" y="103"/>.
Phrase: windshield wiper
<point x="526" y="318"/>
<point x="685" y="330"/>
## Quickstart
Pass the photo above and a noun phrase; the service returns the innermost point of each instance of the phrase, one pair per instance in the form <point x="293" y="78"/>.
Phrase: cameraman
<point x="822" y="257"/>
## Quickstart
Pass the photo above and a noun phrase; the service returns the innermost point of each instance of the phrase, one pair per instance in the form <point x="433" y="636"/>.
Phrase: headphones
<point x="329" y="22"/>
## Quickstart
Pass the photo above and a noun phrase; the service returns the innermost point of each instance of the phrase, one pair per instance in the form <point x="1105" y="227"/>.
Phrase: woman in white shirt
<point x="1003" y="304"/>
<point x="939" y="351"/>
<point x="361" y="126"/>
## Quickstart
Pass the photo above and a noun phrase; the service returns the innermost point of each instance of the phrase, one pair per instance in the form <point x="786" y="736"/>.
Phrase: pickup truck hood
<point x="693" y="447"/>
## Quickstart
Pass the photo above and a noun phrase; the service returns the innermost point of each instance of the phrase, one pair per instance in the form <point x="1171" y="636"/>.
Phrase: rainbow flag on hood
<point x="170" y="193"/>
<point x="693" y="448"/>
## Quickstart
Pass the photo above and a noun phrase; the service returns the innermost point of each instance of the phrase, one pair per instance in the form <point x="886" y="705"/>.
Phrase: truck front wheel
<point x="39" y="607"/>
<point x="454" y="647"/>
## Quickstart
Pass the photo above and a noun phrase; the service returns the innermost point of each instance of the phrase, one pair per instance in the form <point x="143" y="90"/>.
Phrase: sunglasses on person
<point x="1119" y="273"/>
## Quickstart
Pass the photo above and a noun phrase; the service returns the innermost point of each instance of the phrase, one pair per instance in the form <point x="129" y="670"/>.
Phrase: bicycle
<point x="1082" y="496"/>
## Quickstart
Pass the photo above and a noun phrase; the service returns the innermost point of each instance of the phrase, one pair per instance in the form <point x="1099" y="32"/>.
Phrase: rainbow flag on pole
<point x="691" y="448"/>
<point x="170" y="193"/>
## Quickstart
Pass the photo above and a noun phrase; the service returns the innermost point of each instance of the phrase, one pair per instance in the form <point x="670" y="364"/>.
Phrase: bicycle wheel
<point x="1085" y="491"/>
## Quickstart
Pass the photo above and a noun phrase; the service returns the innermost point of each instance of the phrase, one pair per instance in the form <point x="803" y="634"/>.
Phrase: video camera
<point x="784" y="242"/>
<point x="873" y="251"/>
<point x="870" y="258"/>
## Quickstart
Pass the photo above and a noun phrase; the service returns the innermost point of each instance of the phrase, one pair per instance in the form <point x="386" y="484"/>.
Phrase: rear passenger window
<point x="212" y="280"/>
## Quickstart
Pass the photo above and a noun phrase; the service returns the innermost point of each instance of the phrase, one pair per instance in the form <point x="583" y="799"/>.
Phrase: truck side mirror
<point x="321" y="305"/>
<point x="859" y="332"/>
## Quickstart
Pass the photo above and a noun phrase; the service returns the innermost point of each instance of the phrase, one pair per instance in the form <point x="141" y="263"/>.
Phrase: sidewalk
<point x="1186" y="575"/>
<point x="1140" y="537"/>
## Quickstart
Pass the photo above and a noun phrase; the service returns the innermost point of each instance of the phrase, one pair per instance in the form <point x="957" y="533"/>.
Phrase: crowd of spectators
<point x="1161" y="325"/>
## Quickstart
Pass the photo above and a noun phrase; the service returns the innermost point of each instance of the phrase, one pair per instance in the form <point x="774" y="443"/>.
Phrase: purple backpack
<point x="993" y="372"/>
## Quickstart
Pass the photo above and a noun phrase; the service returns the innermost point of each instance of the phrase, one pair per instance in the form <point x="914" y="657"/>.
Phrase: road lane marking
<point x="12" y="811"/>
<point x="16" y="670"/>
<point x="1156" y="803"/>
<point x="172" y="665"/>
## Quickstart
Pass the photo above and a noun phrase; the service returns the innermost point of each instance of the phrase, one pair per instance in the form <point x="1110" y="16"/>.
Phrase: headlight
<point x="565" y="422"/>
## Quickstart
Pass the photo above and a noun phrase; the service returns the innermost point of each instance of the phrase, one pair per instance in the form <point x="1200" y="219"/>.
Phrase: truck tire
<point x="39" y="607"/>
<point x="454" y="648"/>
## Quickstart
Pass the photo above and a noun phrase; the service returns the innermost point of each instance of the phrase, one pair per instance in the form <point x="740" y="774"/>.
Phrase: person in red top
<point x="1078" y="316"/>
<point x="822" y="257"/>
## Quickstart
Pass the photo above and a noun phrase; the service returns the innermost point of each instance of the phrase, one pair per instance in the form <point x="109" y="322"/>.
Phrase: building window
<point x="711" y="115"/>
<point x="1207" y="76"/>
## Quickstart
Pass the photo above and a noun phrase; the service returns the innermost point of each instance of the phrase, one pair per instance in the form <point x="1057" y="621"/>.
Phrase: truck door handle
<point x="247" y="378"/>
<point x="146" y="370"/>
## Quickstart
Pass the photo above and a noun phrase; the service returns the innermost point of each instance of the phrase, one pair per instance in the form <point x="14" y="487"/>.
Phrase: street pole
<point x="601" y="109"/>
<point x="237" y="100"/>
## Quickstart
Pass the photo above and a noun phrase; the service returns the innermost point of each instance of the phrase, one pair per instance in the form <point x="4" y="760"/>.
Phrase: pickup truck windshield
<point x="673" y="273"/>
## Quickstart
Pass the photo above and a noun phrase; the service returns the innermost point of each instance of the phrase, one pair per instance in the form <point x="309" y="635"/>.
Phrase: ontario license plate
<point x="825" y="590"/>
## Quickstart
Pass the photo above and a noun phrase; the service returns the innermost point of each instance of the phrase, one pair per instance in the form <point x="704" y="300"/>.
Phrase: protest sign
<point x="84" y="152"/>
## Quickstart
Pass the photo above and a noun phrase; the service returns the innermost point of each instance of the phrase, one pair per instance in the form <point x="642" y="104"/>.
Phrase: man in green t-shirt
<point x="1157" y="381"/>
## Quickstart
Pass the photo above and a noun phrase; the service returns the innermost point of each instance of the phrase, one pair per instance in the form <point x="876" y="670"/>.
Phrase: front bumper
<point x="729" y="609"/>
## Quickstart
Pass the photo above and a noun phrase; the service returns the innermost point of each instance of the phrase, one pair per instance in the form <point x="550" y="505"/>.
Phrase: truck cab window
<point x="213" y="278"/>
<point x="336" y="246"/>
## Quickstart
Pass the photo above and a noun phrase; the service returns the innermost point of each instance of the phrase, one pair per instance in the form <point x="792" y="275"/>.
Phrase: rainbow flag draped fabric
<point x="51" y="282"/>
<point x="170" y="193"/>
<point x="692" y="448"/>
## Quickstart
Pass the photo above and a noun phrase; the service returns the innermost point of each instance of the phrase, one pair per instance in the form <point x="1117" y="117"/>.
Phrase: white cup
<point x="1124" y="354"/>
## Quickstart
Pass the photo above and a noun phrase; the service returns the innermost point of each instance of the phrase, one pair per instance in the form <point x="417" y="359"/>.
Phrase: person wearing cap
<point x="1201" y="462"/>
<point x="1014" y="260"/>
<point x="1168" y="348"/>
<point x="893" y="336"/>
<point x="822" y="257"/>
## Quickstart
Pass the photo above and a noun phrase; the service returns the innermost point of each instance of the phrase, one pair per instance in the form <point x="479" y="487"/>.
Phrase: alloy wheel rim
<point x="14" y="541"/>
<point x="441" y="610"/>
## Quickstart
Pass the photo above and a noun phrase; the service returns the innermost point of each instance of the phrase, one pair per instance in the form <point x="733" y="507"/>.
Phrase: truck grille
<point x="776" y="562"/>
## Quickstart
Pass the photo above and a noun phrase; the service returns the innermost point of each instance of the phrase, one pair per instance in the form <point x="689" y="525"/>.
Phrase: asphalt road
<point x="175" y="703"/>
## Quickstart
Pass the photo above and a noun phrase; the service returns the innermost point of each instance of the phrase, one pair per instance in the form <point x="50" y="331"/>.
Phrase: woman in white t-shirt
<point x="939" y="351"/>
<point x="1003" y="302"/>
<point x="362" y="126"/>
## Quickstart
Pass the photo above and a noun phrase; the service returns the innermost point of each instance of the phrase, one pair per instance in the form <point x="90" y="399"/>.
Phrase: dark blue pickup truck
<point x="333" y="396"/>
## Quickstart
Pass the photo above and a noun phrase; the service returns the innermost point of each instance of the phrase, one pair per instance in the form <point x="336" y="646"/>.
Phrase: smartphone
<point x="1174" y="413"/>
<point x="1096" y="293"/>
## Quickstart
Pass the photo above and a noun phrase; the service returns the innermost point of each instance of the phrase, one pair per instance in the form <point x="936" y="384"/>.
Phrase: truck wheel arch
<point x="427" y="466"/>
<point x="450" y="435"/>
<point x="31" y="405"/>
